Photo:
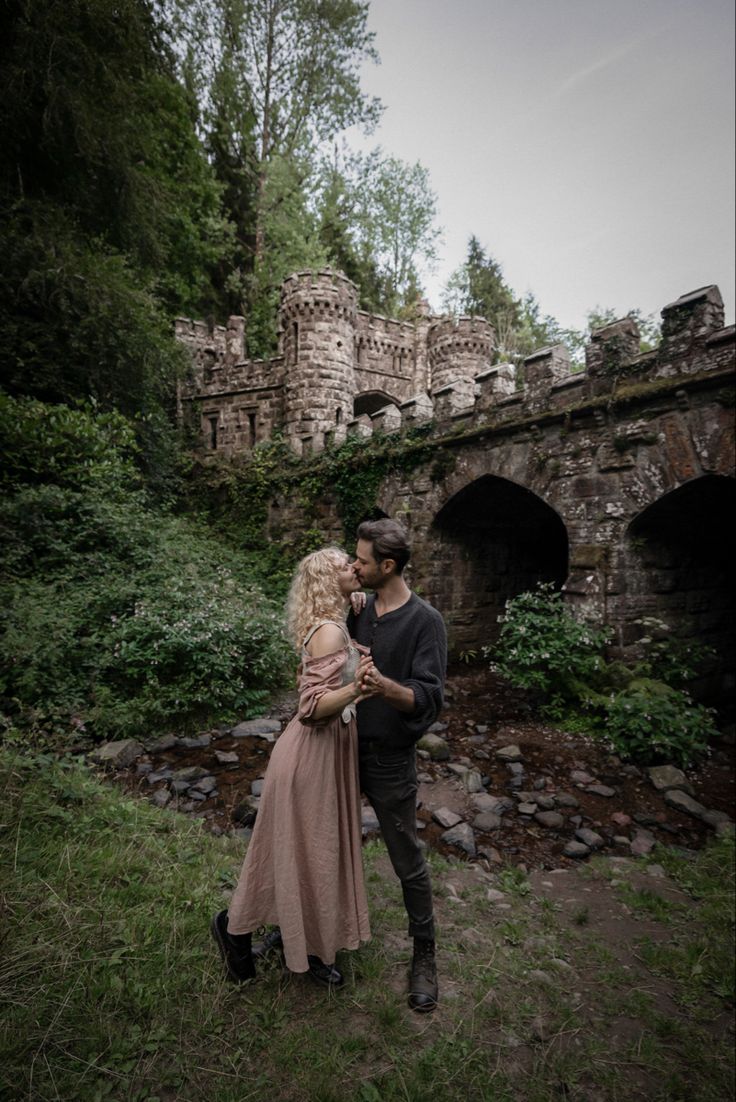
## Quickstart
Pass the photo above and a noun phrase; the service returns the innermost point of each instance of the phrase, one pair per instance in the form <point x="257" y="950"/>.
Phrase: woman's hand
<point x="357" y="601"/>
<point x="361" y="685"/>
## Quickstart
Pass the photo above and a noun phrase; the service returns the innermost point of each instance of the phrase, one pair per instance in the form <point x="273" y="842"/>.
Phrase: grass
<point x="112" y="989"/>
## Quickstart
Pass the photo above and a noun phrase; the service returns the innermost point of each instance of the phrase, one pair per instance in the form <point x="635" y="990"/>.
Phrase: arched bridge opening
<point x="680" y="553"/>
<point x="490" y="541"/>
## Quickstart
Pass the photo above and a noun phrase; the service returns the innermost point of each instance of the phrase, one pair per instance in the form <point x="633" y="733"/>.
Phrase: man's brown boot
<point x="423" y="977"/>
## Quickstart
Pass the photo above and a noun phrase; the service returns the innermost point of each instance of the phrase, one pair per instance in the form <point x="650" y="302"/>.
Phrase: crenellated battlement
<point x="343" y="370"/>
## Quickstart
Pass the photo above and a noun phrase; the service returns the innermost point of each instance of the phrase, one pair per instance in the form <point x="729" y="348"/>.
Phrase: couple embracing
<point x="368" y="690"/>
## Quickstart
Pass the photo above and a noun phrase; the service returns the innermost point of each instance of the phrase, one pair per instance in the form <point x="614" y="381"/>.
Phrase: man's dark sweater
<point x="408" y="645"/>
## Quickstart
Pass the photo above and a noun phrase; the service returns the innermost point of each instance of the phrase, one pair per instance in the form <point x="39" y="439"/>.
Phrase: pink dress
<point x="304" y="868"/>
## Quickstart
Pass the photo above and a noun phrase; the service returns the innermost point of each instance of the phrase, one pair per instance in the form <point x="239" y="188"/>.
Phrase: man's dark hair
<point x="389" y="541"/>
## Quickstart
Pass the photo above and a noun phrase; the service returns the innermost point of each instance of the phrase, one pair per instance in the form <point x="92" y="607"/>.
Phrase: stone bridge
<point x="615" y="483"/>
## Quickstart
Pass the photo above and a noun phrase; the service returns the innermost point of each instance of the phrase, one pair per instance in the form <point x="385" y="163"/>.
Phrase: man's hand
<point x="373" y="683"/>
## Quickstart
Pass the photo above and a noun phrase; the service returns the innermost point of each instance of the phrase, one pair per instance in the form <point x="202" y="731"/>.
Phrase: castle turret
<point x="459" y="349"/>
<point x="318" y="315"/>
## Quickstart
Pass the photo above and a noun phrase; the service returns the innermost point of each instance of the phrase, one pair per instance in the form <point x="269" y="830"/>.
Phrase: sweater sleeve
<point x="317" y="677"/>
<point x="427" y="676"/>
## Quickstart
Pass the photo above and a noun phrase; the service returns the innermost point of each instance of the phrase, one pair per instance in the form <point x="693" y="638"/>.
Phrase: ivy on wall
<point x="245" y="497"/>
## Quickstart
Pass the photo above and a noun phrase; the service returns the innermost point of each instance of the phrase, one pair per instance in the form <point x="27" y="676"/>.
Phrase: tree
<point x="478" y="287"/>
<point x="379" y="214"/>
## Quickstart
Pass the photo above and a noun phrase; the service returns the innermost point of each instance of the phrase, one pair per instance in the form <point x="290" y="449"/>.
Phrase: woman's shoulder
<point x="326" y="638"/>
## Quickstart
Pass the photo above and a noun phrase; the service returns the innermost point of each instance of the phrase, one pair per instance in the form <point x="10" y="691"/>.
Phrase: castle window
<point x="294" y="342"/>
<point x="338" y="415"/>
<point x="329" y="437"/>
<point x="251" y="429"/>
<point x="213" y="432"/>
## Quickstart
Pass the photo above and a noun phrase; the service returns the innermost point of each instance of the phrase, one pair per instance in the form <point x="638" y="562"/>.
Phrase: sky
<point x="588" y="144"/>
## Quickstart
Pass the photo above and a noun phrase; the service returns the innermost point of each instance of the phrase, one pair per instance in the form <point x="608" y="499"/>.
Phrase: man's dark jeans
<point x="389" y="780"/>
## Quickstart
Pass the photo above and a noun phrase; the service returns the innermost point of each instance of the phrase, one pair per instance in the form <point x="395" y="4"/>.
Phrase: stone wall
<point x="615" y="482"/>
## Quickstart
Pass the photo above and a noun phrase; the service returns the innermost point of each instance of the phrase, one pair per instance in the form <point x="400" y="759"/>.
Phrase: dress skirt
<point x="304" y="867"/>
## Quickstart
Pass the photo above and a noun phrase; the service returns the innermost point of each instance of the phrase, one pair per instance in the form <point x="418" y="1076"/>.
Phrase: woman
<point x="303" y="871"/>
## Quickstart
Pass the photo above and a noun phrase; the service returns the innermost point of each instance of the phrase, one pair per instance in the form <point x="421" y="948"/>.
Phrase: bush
<point x="652" y="722"/>
<point x="115" y="616"/>
<point x="543" y="647"/>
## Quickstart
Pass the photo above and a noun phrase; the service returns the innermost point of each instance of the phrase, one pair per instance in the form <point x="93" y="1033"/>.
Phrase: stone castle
<point x="343" y="371"/>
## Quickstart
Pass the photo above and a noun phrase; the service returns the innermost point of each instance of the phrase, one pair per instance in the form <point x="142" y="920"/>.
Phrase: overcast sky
<point x="588" y="144"/>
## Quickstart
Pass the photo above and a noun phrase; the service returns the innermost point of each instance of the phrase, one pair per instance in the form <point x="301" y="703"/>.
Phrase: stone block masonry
<point x="614" y="482"/>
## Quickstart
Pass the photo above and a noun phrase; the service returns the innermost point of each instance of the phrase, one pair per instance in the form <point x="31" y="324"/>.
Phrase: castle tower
<point x="318" y="315"/>
<point x="459" y="349"/>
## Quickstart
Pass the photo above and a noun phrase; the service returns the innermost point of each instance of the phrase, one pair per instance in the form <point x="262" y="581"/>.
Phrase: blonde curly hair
<point x="315" y="594"/>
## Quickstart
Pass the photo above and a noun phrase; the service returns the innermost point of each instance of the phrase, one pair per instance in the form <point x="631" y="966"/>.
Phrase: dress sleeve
<point x="317" y="677"/>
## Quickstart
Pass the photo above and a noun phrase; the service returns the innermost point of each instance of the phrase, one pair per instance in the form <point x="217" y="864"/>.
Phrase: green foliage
<point x="115" y="616"/>
<point x="640" y="710"/>
<point x="652" y="722"/>
<point x="541" y="646"/>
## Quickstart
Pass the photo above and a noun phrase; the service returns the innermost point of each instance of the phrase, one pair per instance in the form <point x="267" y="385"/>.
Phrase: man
<point x="408" y="652"/>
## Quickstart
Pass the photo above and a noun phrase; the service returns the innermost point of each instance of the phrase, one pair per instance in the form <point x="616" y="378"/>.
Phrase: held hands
<point x="368" y="680"/>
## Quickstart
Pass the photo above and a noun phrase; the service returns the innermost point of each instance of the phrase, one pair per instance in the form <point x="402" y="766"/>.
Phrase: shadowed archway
<point x="681" y="551"/>
<point x="371" y="401"/>
<point x="490" y="541"/>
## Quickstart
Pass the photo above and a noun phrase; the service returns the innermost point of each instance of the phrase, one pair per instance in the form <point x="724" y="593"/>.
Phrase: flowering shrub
<point x="542" y="646"/>
<point x="652" y="722"/>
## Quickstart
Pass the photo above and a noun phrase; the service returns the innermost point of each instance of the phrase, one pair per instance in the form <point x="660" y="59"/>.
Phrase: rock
<point x="472" y="781"/>
<point x="540" y="1030"/>
<point x="576" y="849"/>
<point x="493" y="895"/>
<point x="682" y="802"/>
<point x="669" y="776"/>
<point x="561" y="965"/>
<point x="179" y="786"/>
<point x="621" y="819"/>
<point x="205" y="784"/>
<point x="227" y="757"/>
<point x="589" y="838"/>
<point x="369" y="821"/>
<point x="515" y="768"/>
<point x="566" y="799"/>
<point x="642" y="843"/>
<point x="256" y="787"/>
<point x="446" y="818"/>
<point x="482" y="728"/>
<point x="510" y="753"/>
<point x="482" y="755"/>
<point x="487" y="820"/>
<point x="258" y="728"/>
<point x="656" y="871"/>
<point x="197" y="743"/>
<point x="162" y="744"/>
<point x="195" y="795"/>
<point x="477" y="740"/>
<point x="717" y="819"/>
<point x="550" y="819"/>
<point x="491" y="855"/>
<point x="161" y="798"/>
<point x="540" y="783"/>
<point x="456" y="768"/>
<point x="526" y="808"/>
<point x="159" y="775"/>
<point x="425" y="778"/>
<point x="496" y="804"/>
<point x="436" y="727"/>
<point x="601" y="790"/>
<point x="546" y="803"/>
<point x="117" y="755"/>
<point x="621" y="840"/>
<point x="579" y="776"/>
<point x="244" y="813"/>
<point x="144" y="768"/>
<point x="189" y="774"/>
<point x="515" y="782"/>
<point x="461" y="836"/>
<point x="435" y="746"/>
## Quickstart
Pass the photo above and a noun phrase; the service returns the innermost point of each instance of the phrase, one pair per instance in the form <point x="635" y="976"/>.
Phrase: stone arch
<point x="679" y="554"/>
<point x="492" y="539"/>
<point x="370" y="401"/>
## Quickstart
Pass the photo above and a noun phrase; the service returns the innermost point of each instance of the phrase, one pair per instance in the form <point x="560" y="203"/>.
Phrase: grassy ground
<point x="601" y="983"/>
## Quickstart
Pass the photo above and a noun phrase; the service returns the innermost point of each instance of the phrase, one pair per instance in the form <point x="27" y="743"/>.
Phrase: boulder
<point x="472" y="781"/>
<point x="589" y="838"/>
<point x="435" y="746"/>
<point x="576" y="849"/>
<point x="510" y="753"/>
<point x="263" y="728"/>
<point x="446" y="818"/>
<point x="487" y="820"/>
<point x="117" y="755"/>
<point x="682" y="802"/>
<point x="550" y="819"/>
<point x="462" y="837"/>
<point x="669" y="776"/>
